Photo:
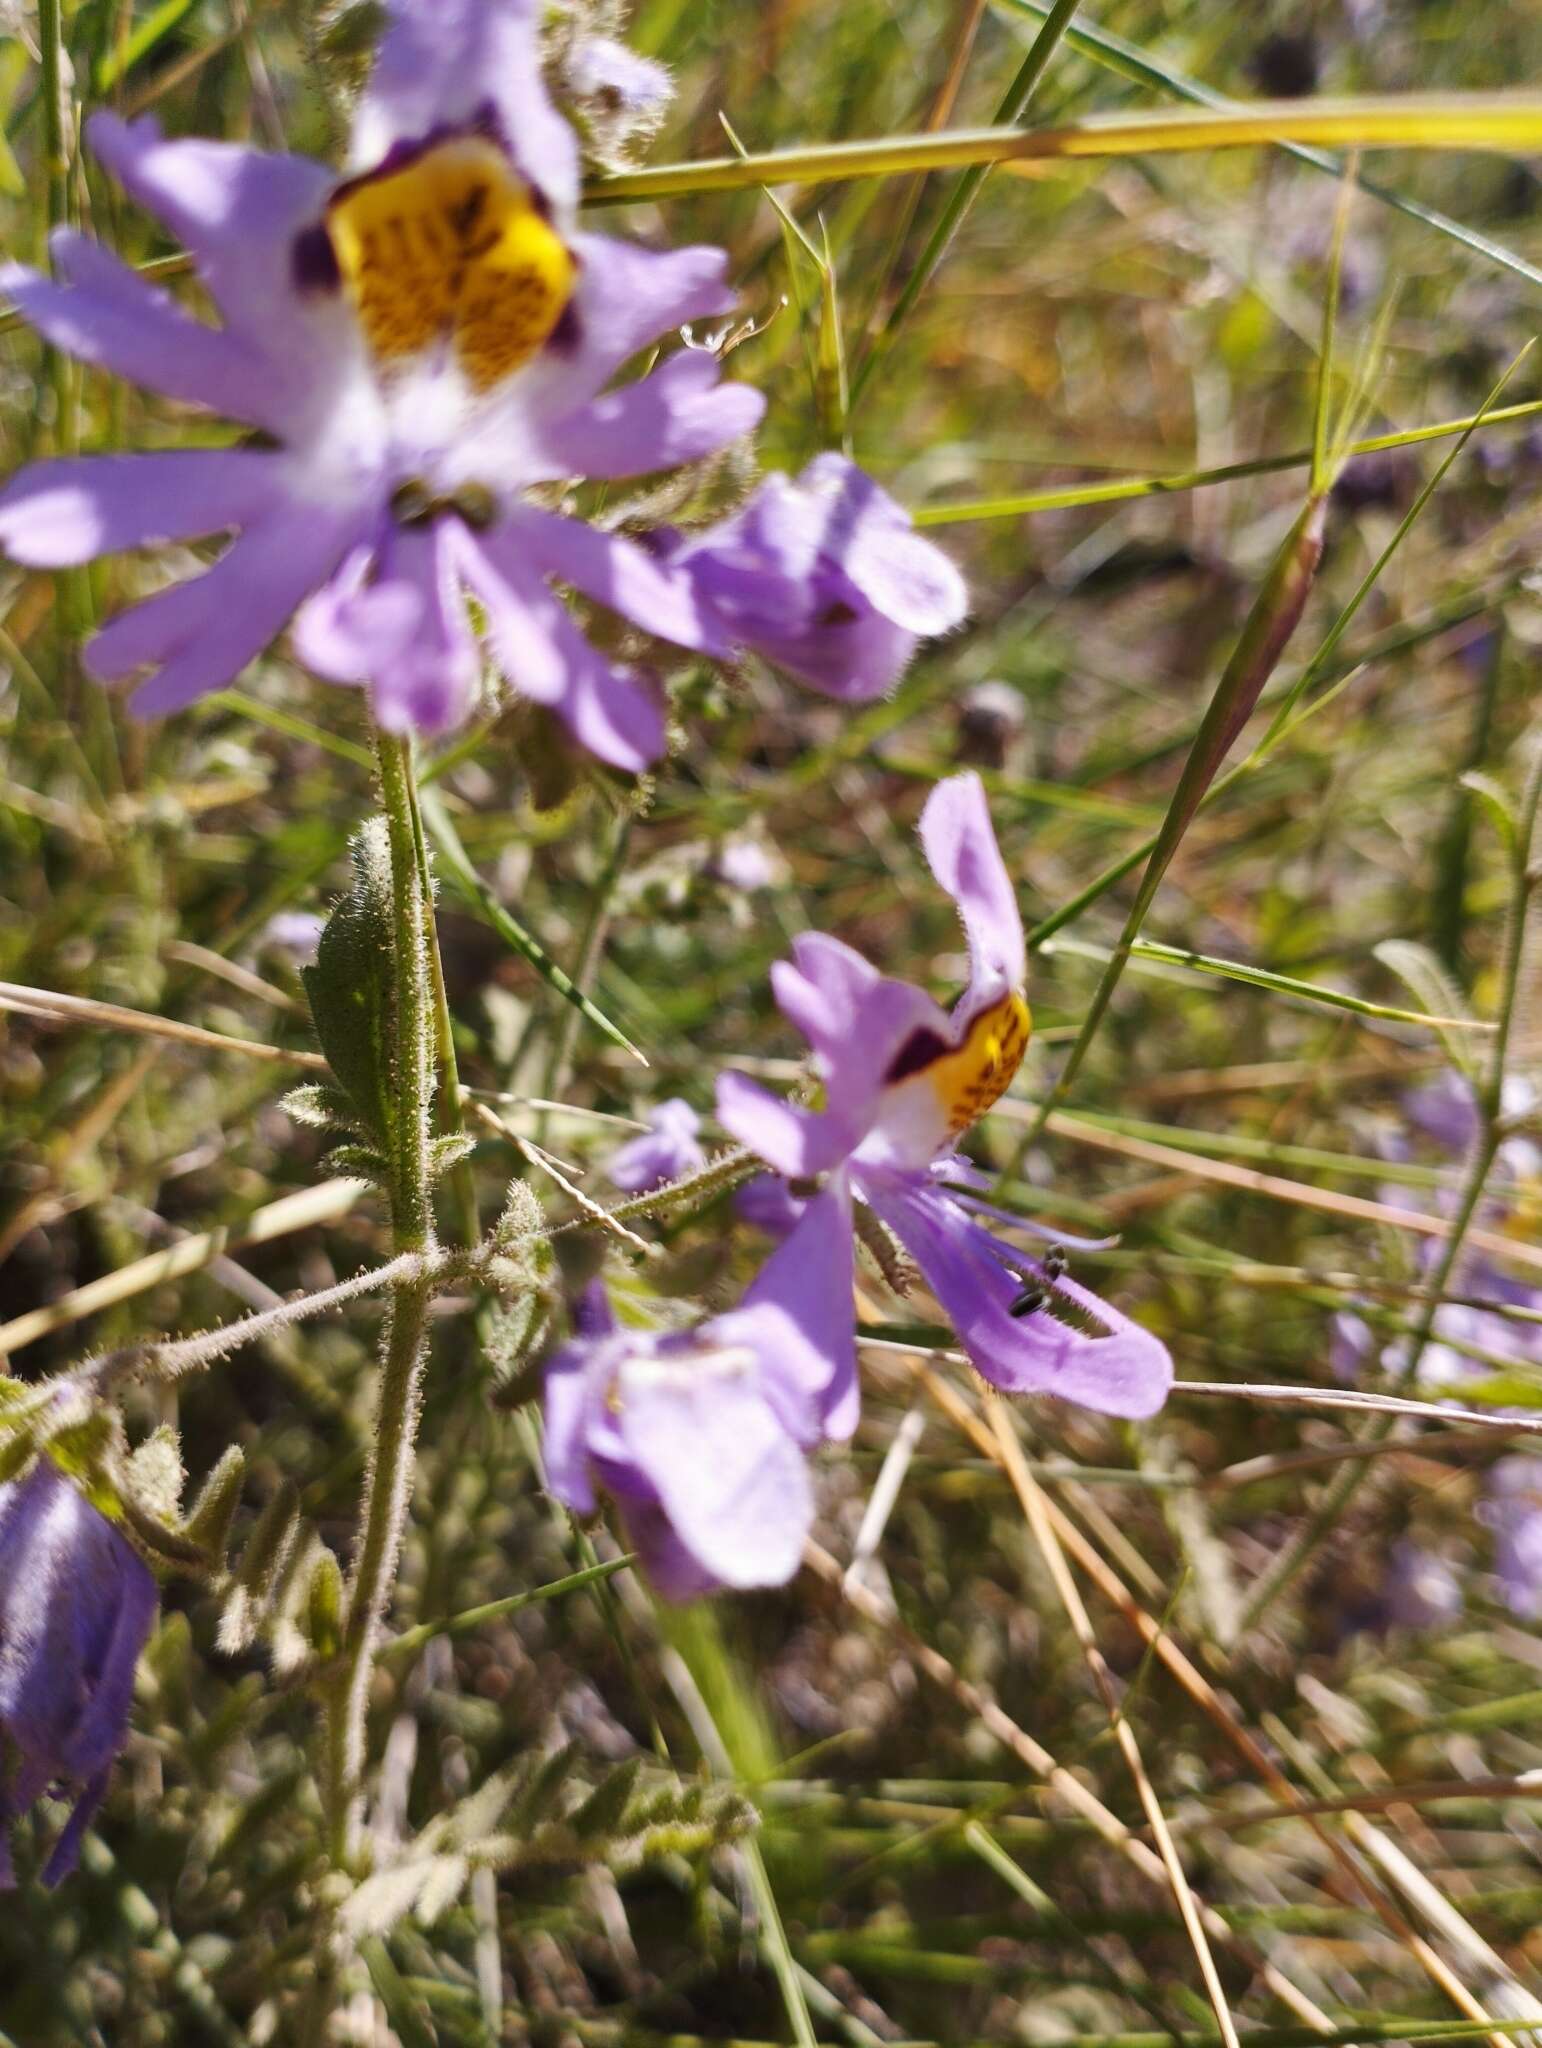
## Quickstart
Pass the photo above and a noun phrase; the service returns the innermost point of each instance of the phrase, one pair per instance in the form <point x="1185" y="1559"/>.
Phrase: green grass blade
<point x="1510" y="122"/>
<point x="1103" y="47"/>
<point x="470" y="887"/>
<point x="1274" y="984"/>
<point x="141" y="42"/>
<point x="1065" y="497"/>
<point x="1012" y="109"/>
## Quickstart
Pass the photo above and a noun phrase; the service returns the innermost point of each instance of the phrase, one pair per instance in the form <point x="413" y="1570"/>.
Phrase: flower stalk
<point x="388" y="1487"/>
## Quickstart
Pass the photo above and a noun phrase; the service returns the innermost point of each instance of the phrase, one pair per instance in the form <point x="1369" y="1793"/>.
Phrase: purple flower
<point x="903" y="1080"/>
<point x="701" y="1436"/>
<point x="421" y="343"/>
<point x="745" y="865"/>
<point x="76" y="1605"/>
<point x="1352" y="1346"/>
<point x="666" y="1150"/>
<point x="296" y="932"/>
<point x="1514" y="1512"/>
<point x="825" y="576"/>
<point x="1423" y="1590"/>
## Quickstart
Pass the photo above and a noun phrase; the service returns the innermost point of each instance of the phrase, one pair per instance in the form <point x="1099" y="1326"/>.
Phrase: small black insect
<point x="1025" y="1304"/>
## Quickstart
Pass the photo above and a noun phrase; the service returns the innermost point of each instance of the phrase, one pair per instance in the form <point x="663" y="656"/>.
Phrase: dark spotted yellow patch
<point x="451" y="244"/>
<point x="971" y="1078"/>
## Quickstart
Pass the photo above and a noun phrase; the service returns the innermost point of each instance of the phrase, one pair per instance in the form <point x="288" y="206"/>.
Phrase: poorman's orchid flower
<point x="76" y="1604"/>
<point x="701" y="1436"/>
<point x="665" y="1151"/>
<point x="903" y="1080"/>
<point x="418" y="344"/>
<point x="825" y="576"/>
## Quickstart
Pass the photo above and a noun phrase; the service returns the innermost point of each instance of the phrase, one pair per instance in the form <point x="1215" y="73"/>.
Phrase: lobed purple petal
<point x="608" y="709"/>
<point x="808" y="1280"/>
<point x="797" y="1142"/>
<point x="824" y="576"/>
<point x="679" y="413"/>
<point x="730" y="1480"/>
<point x="238" y="211"/>
<point x="767" y="1203"/>
<point x="459" y="64"/>
<point x="201" y="633"/>
<point x="625" y="297"/>
<point x="71" y="510"/>
<point x="1126" y="1371"/>
<point x="428" y="681"/>
<point x="960" y="846"/>
<point x="615" y="572"/>
<point x="101" y="313"/>
<point x="901" y="574"/>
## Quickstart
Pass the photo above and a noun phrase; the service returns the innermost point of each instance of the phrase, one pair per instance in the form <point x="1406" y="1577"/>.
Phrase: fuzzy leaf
<point x="536" y="1798"/>
<point x="363" y="1162"/>
<point x="155" y="1474"/>
<point x="324" y="1606"/>
<point x="601" y="1812"/>
<point x="209" y="1518"/>
<point x="351" y="988"/>
<point x="447" y="1151"/>
<point x="1495" y="799"/>
<point x="259" y="1570"/>
<point x="320" y="1107"/>
<point x="1417" y="968"/>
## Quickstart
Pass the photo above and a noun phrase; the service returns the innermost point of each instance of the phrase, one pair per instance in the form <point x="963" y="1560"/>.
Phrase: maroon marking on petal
<point x="566" y="337"/>
<point x="837" y="613"/>
<point x="919" y="1050"/>
<point x="313" y="261"/>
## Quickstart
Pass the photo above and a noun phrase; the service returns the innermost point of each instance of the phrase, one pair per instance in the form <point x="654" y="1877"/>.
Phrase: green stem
<point x="450" y="1100"/>
<point x="388" y="1487"/>
<point x="50" y="29"/>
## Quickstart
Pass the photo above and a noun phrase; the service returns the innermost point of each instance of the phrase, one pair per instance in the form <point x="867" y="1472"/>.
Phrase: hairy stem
<point x="388" y="1488"/>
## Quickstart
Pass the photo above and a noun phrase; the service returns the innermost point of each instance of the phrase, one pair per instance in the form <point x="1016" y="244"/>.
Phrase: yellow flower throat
<point x="451" y="245"/>
<point x="971" y="1078"/>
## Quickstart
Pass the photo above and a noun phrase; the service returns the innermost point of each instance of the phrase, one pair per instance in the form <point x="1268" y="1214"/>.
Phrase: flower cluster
<point x="426" y="348"/>
<point x="76" y="1603"/>
<point x="429" y="355"/>
<point x="701" y="1436"/>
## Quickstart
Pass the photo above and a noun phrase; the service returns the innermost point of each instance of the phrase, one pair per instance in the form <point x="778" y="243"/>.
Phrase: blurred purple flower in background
<point x="824" y="575"/>
<point x="423" y="341"/>
<point x="76" y="1604"/>
<point x="746" y="864"/>
<point x="903" y="1080"/>
<point x="1423" y="1589"/>
<point x="1445" y="1110"/>
<point x="701" y="1436"/>
<point x="1513" y="1511"/>
<point x="665" y="1151"/>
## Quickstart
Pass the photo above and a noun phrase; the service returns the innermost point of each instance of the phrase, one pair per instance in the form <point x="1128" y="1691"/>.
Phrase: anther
<point x="414" y="504"/>
<point x="1026" y="1302"/>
